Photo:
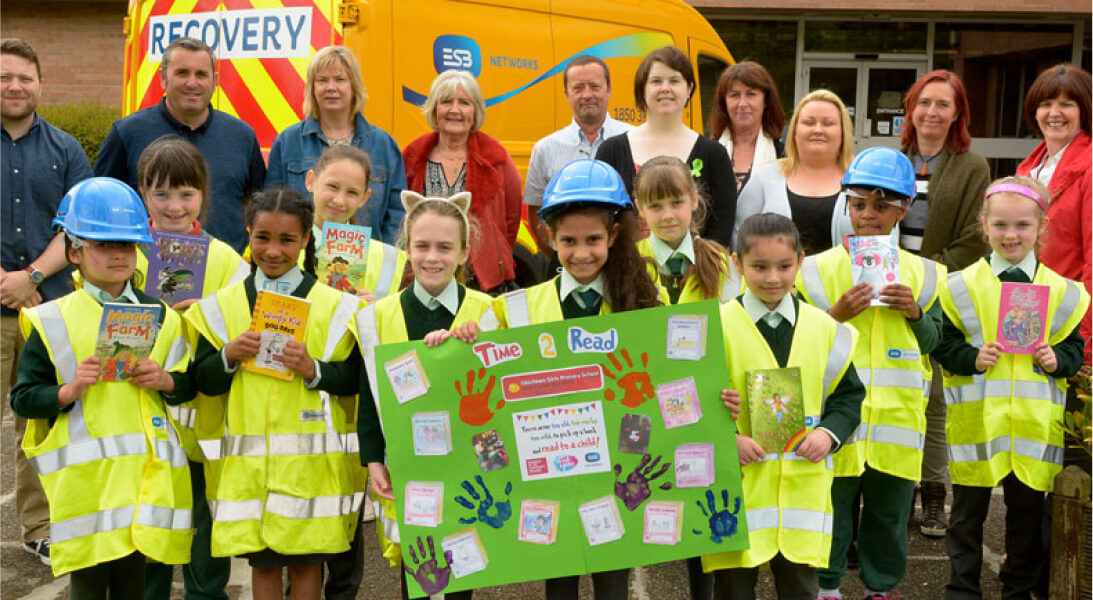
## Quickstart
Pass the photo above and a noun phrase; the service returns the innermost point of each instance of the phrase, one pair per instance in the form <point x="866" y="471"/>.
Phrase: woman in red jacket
<point x="1057" y="108"/>
<point x="458" y="157"/>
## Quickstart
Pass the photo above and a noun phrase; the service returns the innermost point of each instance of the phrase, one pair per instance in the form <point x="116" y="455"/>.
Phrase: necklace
<point x="926" y="160"/>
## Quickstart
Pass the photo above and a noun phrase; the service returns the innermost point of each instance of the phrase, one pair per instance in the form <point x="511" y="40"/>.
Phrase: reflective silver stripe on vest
<point x="214" y="317"/>
<point x="806" y="520"/>
<point x="958" y="289"/>
<point x="171" y="452"/>
<point x="296" y="444"/>
<point x="97" y="522"/>
<point x="929" y="283"/>
<point x="763" y="518"/>
<point x="176" y="353"/>
<point x="387" y="272"/>
<point x="230" y="511"/>
<point x="88" y="451"/>
<point x="838" y="357"/>
<point x="1066" y="307"/>
<point x="368" y="340"/>
<point x="390" y="526"/>
<point x="488" y="321"/>
<point x="814" y="284"/>
<point x="731" y="288"/>
<point x="163" y="517"/>
<point x="241" y="273"/>
<point x="291" y="507"/>
<point x="892" y="378"/>
<point x="861" y="433"/>
<point x="244" y="445"/>
<point x="898" y="436"/>
<point x="339" y="322"/>
<point x="1004" y="388"/>
<point x="1038" y="451"/>
<point x="183" y="415"/>
<point x="978" y="452"/>
<point x="516" y="304"/>
<point x="210" y="449"/>
<point x="53" y="323"/>
<point x="352" y="443"/>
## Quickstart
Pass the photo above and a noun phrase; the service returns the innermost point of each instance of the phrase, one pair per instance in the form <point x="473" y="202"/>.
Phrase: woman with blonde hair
<point x="334" y="114"/>
<point x="458" y="157"/>
<point x="805" y="185"/>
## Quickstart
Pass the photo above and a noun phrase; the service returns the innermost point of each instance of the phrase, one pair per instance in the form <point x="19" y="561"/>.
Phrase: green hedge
<point x="88" y="122"/>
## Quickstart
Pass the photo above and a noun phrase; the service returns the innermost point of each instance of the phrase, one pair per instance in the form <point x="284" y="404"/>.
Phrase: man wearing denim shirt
<point x="38" y="164"/>
<point x="229" y="145"/>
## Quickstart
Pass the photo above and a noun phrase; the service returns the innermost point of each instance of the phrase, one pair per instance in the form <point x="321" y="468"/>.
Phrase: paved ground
<point x="22" y="577"/>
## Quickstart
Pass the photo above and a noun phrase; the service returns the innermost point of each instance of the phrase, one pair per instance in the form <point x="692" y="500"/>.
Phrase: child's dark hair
<point x="767" y="225"/>
<point x="626" y="274"/>
<point x="337" y="152"/>
<point x="288" y="201"/>
<point x="172" y="161"/>
<point x="665" y="177"/>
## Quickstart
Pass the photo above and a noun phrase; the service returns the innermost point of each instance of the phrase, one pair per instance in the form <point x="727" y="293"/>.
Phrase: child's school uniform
<point x="407" y="316"/>
<point x="281" y="461"/>
<point x="670" y="271"/>
<point x="882" y="459"/>
<point x="115" y="441"/>
<point x="787" y="497"/>
<point x="1003" y="425"/>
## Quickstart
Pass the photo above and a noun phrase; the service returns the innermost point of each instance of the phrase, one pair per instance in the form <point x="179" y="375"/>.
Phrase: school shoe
<point x="39" y="548"/>
<point x="933" y="523"/>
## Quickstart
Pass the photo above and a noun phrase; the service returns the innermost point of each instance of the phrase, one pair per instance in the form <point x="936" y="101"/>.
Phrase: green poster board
<point x="561" y="434"/>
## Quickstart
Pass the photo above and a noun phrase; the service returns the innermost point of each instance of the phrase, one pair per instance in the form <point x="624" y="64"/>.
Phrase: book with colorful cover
<point x="663" y="522"/>
<point x="468" y="553"/>
<point x="127" y="333"/>
<point x="424" y="504"/>
<point x="776" y="408"/>
<point x="432" y="433"/>
<point x="679" y="403"/>
<point x="539" y="521"/>
<point x="1022" y="316"/>
<point x="342" y="256"/>
<point x="874" y="259"/>
<point x="176" y="266"/>
<point x="278" y="319"/>
<point x="694" y="465"/>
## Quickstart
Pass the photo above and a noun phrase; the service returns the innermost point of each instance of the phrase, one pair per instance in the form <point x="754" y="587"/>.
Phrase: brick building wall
<point x="80" y="45"/>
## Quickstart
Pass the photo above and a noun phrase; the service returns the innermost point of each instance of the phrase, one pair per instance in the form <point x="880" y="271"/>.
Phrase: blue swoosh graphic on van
<point x="635" y="44"/>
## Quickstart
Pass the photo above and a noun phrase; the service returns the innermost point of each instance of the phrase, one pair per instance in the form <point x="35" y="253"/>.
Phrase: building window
<point x="865" y="37"/>
<point x="772" y="44"/>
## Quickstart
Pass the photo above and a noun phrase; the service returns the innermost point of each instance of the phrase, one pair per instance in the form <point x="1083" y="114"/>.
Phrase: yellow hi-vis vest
<point x="112" y="467"/>
<point x="787" y="498"/>
<point x="732" y="284"/>
<point x="224" y="267"/>
<point x="1008" y="418"/>
<point x="282" y="466"/>
<point x="888" y="361"/>
<point x="384" y="267"/>
<point x="383" y="322"/>
<point x="540" y="304"/>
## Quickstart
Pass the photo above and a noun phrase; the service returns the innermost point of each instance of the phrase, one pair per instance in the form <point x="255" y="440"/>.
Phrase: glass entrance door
<point x="872" y="91"/>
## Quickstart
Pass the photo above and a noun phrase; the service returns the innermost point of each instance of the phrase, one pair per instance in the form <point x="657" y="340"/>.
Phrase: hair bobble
<point x="1020" y="190"/>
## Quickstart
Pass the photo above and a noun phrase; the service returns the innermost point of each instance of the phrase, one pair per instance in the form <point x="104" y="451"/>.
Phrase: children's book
<point x="874" y="259"/>
<point x="490" y="451"/>
<point x="539" y="521"/>
<point x="1022" y="316"/>
<point x="634" y="432"/>
<point x="602" y="520"/>
<point x="468" y="553"/>
<point x="127" y="333"/>
<point x="776" y="407"/>
<point x="424" y="505"/>
<point x="176" y="266"/>
<point x="407" y="376"/>
<point x="342" y="256"/>
<point x="679" y="403"/>
<point x="694" y="465"/>
<point x="687" y="337"/>
<point x="432" y="433"/>
<point x="663" y="522"/>
<point x="278" y="319"/>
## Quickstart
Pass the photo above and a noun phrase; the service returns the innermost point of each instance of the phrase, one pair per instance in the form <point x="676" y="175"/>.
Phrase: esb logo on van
<point x="457" y="52"/>
<point x="233" y="34"/>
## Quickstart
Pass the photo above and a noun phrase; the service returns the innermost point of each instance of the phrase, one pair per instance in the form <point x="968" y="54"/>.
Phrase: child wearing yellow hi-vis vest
<point x="110" y="460"/>
<point x="437" y="233"/>
<point x="1005" y="409"/>
<point x="595" y="229"/>
<point x="689" y="267"/>
<point x="786" y="494"/>
<point x="284" y="488"/>
<point x="174" y="184"/>
<point x="882" y="459"/>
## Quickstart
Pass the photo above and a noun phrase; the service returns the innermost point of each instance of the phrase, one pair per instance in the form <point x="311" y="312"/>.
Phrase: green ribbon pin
<point x="696" y="168"/>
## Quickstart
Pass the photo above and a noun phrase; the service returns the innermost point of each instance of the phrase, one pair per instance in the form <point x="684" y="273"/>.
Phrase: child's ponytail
<point x="711" y="263"/>
<point x="626" y="275"/>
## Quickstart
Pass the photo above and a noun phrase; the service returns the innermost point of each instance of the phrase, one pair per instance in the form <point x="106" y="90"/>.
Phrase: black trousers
<point x="608" y="585"/>
<point x="792" y="581"/>
<point x="1023" y="540"/>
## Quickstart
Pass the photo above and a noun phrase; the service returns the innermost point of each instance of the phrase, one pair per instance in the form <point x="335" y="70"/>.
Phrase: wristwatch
<point x="36" y="276"/>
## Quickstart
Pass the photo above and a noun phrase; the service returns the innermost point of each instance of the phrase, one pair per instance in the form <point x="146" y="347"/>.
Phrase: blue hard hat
<point x="104" y="209"/>
<point x="882" y="167"/>
<point x="584" y="182"/>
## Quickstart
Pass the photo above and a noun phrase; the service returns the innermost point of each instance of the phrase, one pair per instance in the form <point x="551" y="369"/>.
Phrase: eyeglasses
<point x="101" y="246"/>
<point x="881" y="193"/>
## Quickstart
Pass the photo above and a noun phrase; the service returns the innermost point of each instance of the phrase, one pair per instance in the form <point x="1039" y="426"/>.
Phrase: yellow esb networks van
<point x="516" y="48"/>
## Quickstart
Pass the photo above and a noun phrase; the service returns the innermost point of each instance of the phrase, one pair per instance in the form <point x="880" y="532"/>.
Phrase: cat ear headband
<point x="462" y="201"/>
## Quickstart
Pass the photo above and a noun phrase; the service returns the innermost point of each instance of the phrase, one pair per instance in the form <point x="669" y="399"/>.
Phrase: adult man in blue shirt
<point x="38" y="164"/>
<point x="236" y="168"/>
